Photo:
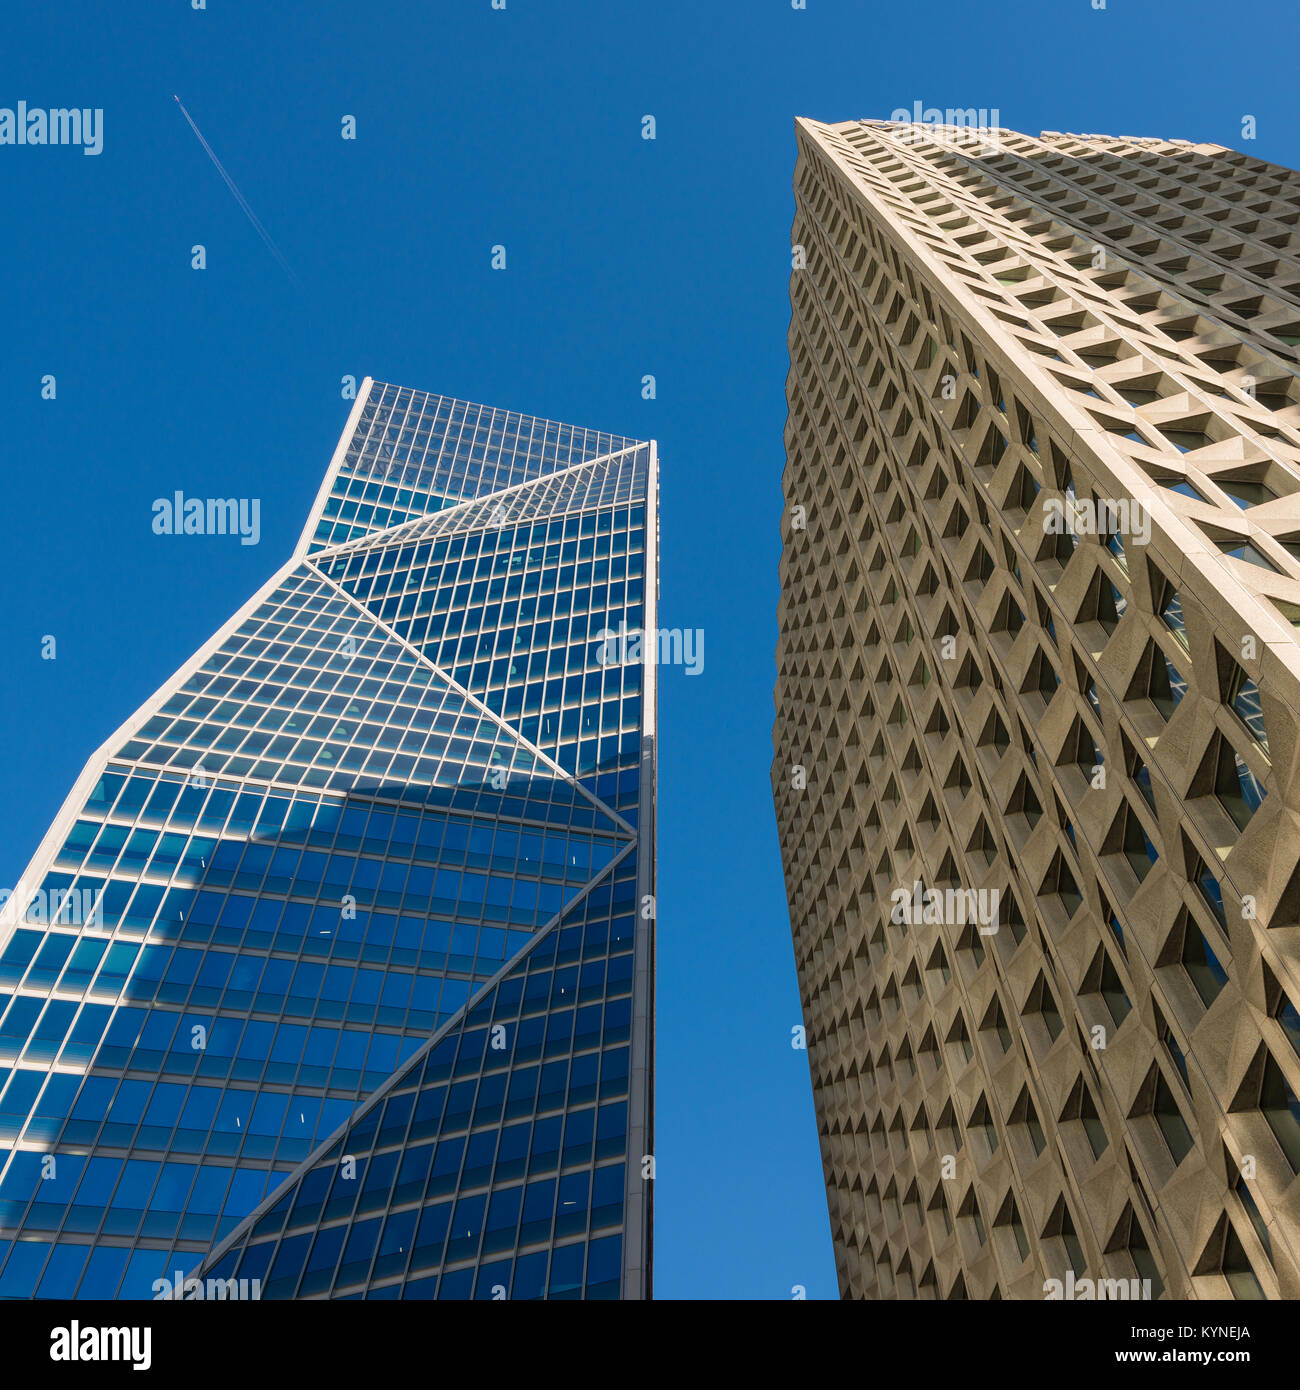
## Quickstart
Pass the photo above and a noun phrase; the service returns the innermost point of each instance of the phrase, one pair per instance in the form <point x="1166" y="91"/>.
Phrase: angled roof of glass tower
<point x="407" y="454"/>
<point x="334" y="975"/>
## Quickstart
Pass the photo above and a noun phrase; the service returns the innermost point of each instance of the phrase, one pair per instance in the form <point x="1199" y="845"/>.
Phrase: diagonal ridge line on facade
<point x="392" y="534"/>
<point x="369" y="1102"/>
<point x="476" y="702"/>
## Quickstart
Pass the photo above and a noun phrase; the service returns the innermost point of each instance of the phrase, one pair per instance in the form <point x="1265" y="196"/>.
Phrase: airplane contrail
<point x="239" y="197"/>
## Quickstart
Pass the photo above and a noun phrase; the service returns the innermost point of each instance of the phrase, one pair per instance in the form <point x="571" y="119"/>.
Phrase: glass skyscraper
<point x="334" y="976"/>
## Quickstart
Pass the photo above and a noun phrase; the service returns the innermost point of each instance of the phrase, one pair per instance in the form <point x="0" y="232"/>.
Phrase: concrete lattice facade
<point x="994" y="338"/>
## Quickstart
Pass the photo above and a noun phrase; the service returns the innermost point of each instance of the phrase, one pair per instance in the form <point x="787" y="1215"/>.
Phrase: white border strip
<point x="332" y="472"/>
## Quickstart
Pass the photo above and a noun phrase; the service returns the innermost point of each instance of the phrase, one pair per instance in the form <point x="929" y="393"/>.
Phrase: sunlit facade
<point x="1038" y="674"/>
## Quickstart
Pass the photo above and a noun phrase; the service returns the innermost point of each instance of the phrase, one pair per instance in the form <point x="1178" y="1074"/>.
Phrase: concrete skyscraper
<point x="1038" y="706"/>
<point x="334" y="976"/>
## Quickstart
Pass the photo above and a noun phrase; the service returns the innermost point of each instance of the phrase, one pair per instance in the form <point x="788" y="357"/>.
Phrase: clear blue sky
<point x="625" y="257"/>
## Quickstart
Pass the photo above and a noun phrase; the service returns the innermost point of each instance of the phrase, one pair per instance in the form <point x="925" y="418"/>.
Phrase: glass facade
<point x="334" y="974"/>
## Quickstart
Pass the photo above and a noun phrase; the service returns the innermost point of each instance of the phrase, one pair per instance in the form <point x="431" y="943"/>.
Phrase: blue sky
<point x="625" y="257"/>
